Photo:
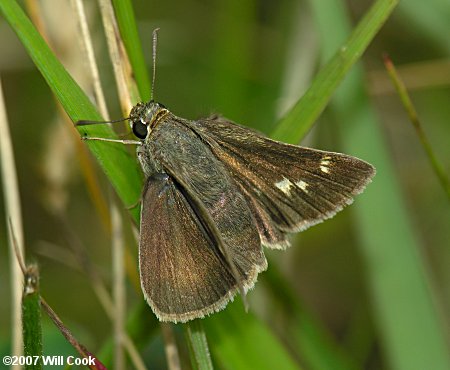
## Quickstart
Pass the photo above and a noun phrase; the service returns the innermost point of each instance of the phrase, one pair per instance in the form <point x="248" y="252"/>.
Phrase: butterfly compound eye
<point x="140" y="130"/>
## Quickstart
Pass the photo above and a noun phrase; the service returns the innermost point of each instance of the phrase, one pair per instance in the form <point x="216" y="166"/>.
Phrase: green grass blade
<point x="412" y="335"/>
<point x="31" y="320"/>
<point x="302" y="116"/>
<point x="415" y="121"/>
<point x="125" y="177"/>
<point x="198" y="345"/>
<point x="129" y="32"/>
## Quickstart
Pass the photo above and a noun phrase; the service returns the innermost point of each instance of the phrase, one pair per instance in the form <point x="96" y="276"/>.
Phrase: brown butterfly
<point x="215" y="194"/>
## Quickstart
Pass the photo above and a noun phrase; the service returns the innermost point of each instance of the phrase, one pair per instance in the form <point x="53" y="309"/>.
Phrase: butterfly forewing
<point x="293" y="186"/>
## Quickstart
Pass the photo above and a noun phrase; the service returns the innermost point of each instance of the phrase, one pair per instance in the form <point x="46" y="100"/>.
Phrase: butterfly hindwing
<point x="183" y="274"/>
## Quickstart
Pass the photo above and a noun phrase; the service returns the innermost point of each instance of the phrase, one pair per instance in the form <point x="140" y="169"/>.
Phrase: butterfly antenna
<point x="87" y="122"/>
<point x="155" y="42"/>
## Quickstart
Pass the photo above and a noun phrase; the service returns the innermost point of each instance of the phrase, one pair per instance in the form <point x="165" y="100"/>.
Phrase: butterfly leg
<point x="125" y="142"/>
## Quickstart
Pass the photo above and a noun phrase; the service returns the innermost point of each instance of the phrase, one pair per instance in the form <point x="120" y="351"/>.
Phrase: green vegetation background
<point x="367" y="289"/>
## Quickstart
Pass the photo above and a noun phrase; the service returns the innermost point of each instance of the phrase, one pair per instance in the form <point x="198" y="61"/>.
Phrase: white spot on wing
<point x="284" y="185"/>
<point x="324" y="169"/>
<point x="324" y="163"/>
<point x="302" y="185"/>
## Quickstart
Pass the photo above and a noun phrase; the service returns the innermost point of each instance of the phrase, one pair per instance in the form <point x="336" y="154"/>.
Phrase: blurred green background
<point x="249" y="61"/>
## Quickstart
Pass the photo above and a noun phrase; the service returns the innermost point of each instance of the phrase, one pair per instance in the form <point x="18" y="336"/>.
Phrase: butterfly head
<point x="145" y="116"/>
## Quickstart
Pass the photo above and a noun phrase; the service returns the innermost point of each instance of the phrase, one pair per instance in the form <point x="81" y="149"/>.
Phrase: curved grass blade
<point x="128" y="30"/>
<point x="297" y="122"/>
<point x="198" y="345"/>
<point x="13" y="212"/>
<point x="125" y="177"/>
<point x="414" y="119"/>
